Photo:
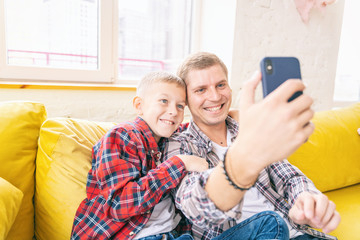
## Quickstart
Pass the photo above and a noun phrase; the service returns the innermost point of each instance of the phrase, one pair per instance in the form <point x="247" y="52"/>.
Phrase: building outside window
<point x="114" y="41"/>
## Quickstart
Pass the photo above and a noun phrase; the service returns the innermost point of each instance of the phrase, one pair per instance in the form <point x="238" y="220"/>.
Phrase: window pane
<point x="52" y="33"/>
<point x="347" y="83"/>
<point x="153" y="35"/>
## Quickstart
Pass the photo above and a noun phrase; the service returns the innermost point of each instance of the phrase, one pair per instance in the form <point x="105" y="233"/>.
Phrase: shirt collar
<point x="205" y="141"/>
<point x="146" y="130"/>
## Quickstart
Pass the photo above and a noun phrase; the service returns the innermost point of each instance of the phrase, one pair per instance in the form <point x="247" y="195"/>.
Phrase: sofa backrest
<point x="19" y="131"/>
<point x="331" y="156"/>
<point x="62" y="164"/>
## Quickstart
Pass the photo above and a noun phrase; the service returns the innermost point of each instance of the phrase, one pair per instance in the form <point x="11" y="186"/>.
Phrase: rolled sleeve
<point x="192" y="199"/>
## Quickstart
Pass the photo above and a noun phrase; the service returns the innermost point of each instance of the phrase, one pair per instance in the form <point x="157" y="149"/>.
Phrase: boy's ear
<point x="137" y="104"/>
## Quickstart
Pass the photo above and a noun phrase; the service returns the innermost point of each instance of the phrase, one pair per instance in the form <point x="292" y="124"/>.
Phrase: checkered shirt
<point x="126" y="180"/>
<point x="280" y="183"/>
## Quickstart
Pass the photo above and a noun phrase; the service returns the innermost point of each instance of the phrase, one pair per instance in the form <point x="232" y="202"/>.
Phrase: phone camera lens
<point x="268" y="66"/>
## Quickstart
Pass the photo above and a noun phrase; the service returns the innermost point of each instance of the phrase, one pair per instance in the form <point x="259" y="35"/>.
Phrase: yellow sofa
<point x="44" y="165"/>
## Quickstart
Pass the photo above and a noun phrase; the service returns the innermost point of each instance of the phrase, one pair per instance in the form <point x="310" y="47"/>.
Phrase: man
<point x="247" y="172"/>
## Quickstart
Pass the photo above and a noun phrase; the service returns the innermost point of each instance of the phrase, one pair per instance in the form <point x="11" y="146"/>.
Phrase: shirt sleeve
<point x="125" y="180"/>
<point x="289" y="181"/>
<point x="191" y="197"/>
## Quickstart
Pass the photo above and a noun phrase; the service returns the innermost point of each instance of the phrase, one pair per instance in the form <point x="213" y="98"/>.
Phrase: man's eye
<point x="200" y="90"/>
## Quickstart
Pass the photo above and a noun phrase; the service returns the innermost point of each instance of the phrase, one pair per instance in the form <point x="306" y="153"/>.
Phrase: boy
<point x="128" y="187"/>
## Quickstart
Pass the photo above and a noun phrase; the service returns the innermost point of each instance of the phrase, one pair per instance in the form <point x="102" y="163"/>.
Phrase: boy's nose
<point x="172" y="110"/>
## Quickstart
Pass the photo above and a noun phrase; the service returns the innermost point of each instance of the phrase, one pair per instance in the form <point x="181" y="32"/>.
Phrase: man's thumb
<point x="247" y="97"/>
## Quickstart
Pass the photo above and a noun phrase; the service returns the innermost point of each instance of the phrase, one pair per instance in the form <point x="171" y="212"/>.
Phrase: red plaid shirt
<point x="126" y="180"/>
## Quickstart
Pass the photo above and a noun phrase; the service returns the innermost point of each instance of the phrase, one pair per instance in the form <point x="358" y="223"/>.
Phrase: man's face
<point x="209" y="96"/>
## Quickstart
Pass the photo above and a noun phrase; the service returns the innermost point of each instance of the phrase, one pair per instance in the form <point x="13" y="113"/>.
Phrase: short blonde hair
<point x="154" y="77"/>
<point x="199" y="61"/>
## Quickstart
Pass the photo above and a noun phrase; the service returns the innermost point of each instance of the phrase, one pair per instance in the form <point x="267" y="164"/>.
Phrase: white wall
<point x="274" y="28"/>
<point x="262" y="27"/>
<point x="113" y="106"/>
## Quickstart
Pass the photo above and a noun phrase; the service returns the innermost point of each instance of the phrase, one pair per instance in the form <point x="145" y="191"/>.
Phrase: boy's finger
<point x="247" y="97"/>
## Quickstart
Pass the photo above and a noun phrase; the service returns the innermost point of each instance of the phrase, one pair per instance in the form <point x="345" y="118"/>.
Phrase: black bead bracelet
<point x="230" y="181"/>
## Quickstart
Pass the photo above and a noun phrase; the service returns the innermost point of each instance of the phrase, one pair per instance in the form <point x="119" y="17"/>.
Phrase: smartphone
<point x="276" y="70"/>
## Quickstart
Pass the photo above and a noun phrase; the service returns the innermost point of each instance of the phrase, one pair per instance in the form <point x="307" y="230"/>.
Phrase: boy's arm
<point x="118" y="170"/>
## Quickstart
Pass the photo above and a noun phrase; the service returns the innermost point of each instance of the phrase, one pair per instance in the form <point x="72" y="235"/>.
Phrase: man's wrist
<point x="242" y="174"/>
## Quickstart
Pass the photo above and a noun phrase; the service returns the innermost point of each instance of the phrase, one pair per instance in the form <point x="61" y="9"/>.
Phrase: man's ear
<point x="137" y="104"/>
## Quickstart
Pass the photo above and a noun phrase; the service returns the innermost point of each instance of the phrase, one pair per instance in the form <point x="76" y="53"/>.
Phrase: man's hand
<point x="271" y="129"/>
<point x="315" y="210"/>
<point x="194" y="163"/>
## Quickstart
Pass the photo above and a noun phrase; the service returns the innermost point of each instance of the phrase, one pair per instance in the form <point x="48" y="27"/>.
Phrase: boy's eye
<point x="163" y="100"/>
<point x="181" y="106"/>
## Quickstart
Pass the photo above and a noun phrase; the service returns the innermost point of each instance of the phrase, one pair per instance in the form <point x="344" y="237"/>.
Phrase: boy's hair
<point x="154" y="77"/>
<point x="199" y="61"/>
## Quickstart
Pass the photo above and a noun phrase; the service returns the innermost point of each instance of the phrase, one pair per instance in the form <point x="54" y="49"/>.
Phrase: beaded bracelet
<point x="230" y="181"/>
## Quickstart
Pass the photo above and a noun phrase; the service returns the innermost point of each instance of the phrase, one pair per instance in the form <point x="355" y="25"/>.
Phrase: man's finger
<point x="309" y="206"/>
<point x="321" y="208"/>
<point x="247" y="97"/>
<point x="297" y="215"/>
<point x="334" y="222"/>
<point x="329" y="213"/>
<point x="287" y="89"/>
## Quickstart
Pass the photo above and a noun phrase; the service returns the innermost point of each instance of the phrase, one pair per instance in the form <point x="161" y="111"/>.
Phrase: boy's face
<point x="162" y="108"/>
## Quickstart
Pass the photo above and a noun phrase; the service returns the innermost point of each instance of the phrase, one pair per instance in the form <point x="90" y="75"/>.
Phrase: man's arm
<point x="269" y="131"/>
<point x="308" y="205"/>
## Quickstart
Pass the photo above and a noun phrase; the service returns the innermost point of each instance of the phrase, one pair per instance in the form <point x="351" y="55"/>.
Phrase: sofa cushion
<point x="19" y="130"/>
<point x="347" y="204"/>
<point x="62" y="165"/>
<point x="10" y="200"/>
<point x="331" y="155"/>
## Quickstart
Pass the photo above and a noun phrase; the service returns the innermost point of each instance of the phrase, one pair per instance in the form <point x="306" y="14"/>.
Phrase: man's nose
<point x="214" y="95"/>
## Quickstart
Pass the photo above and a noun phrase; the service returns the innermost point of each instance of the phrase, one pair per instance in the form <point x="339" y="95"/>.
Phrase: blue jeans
<point x="167" y="236"/>
<point x="264" y="225"/>
<point x="306" y="237"/>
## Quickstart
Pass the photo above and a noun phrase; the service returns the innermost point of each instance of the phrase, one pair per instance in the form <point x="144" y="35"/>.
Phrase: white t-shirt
<point x="254" y="201"/>
<point x="159" y="221"/>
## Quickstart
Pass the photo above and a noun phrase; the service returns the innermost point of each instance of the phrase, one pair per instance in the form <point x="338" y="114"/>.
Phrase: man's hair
<point x="154" y="77"/>
<point x="199" y="61"/>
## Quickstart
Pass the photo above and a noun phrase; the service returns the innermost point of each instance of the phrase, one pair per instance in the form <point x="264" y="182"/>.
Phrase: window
<point x="347" y="83"/>
<point x="114" y="41"/>
<point x="153" y="35"/>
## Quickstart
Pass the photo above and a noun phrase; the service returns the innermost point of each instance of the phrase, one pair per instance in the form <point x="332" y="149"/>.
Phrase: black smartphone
<point x="276" y="70"/>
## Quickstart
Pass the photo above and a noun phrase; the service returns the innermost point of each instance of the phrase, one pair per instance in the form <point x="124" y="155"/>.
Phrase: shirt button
<point x="148" y="211"/>
<point x="131" y="233"/>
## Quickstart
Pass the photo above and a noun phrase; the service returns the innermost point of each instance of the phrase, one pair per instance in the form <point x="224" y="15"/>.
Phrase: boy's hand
<point x="315" y="210"/>
<point x="194" y="163"/>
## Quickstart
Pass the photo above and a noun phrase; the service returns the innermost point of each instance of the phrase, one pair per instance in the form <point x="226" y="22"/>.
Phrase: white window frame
<point x="107" y="70"/>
